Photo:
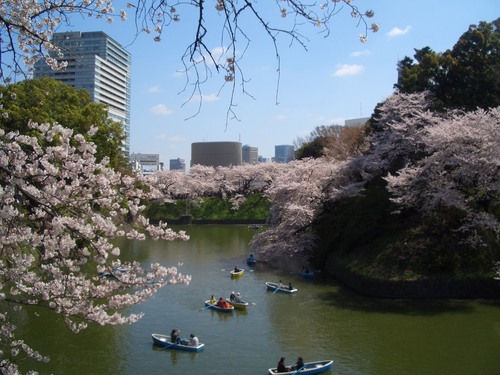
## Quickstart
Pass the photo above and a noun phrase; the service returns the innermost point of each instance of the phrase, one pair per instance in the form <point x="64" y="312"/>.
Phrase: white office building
<point x="98" y="64"/>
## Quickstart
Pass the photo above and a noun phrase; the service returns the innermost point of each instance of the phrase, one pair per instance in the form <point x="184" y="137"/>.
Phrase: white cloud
<point x="348" y="70"/>
<point x="360" y="53"/>
<point x="396" y="31"/>
<point x="161" y="109"/>
<point x="210" y="98"/>
<point x="154" y="89"/>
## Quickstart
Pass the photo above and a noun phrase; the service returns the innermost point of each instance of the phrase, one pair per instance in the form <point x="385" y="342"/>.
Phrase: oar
<point x="297" y="371"/>
<point x="207" y="306"/>
<point x="277" y="288"/>
<point x="168" y="345"/>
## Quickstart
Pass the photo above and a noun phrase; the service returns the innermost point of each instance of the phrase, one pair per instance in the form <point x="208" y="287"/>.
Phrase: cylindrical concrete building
<point x="216" y="153"/>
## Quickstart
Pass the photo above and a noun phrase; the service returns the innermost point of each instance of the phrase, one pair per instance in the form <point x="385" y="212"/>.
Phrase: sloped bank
<point x="413" y="289"/>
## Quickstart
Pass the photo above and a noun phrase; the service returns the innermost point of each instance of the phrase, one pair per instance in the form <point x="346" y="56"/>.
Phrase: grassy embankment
<point x="255" y="209"/>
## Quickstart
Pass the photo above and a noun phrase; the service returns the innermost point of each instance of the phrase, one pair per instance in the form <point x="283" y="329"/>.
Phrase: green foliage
<point x="369" y="236"/>
<point x="312" y="149"/>
<point x="464" y="77"/>
<point x="46" y="100"/>
<point x="256" y="207"/>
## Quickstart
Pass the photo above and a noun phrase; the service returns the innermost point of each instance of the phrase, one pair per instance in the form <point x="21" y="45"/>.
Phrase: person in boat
<point x="251" y="258"/>
<point x="299" y="364"/>
<point x="232" y="297"/>
<point x="223" y="304"/>
<point x="175" y="335"/>
<point x="193" y="340"/>
<point x="290" y="287"/>
<point x="281" y="366"/>
<point x="237" y="299"/>
<point x="236" y="269"/>
<point x="280" y="284"/>
<point x="212" y="300"/>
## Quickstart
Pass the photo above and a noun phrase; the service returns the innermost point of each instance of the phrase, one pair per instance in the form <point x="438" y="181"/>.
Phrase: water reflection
<point x="362" y="335"/>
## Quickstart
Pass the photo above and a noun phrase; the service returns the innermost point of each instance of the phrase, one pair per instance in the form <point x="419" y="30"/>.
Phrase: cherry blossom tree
<point x="459" y="174"/>
<point x="59" y="211"/>
<point x="233" y="183"/>
<point x="442" y="167"/>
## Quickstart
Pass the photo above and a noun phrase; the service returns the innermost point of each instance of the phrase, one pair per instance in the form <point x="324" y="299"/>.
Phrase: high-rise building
<point x="177" y="164"/>
<point x="98" y="64"/>
<point x="250" y="155"/>
<point x="284" y="153"/>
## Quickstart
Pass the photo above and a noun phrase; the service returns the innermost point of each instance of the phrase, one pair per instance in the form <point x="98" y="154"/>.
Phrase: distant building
<point x="357" y="121"/>
<point x="283" y="153"/>
<point x="177" y="164"/>
<point x="98" y="64"/>
<point x="250" y="155"/>
<point x="145" y="163"/>
<point x="216" y="153"/>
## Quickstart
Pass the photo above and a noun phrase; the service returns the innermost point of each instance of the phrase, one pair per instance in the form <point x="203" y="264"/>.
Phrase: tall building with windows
<point x="283" y="153"/>
<point x="250" y="155"/>
<point x="177" y="164"/>
<point x="98" y="64"/>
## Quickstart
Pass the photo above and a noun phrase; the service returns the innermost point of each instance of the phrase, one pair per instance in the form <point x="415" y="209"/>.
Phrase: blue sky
<point x="337" y="78"/>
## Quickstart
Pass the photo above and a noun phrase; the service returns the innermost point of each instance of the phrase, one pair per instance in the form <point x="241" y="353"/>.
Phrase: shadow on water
<point x="344" y="298"/>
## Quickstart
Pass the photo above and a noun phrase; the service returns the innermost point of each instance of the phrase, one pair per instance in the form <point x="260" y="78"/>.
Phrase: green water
<point x="322" y="321"/>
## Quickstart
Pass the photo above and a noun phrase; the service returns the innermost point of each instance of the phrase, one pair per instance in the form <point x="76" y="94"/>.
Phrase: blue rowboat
<point x="309" y="368"/>
<point x="164" y="341"/>
<point x="214" y="306"/>
<point x="306" y="275"/>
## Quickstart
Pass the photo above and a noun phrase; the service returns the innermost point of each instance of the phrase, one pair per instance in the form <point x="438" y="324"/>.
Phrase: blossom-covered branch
<point x="59" y="211"/>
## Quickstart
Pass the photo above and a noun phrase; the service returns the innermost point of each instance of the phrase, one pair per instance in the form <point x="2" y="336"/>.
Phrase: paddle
<point x="277" y="288"/>
<point x="168" y="345"/>
<point x="297" y="371"/>
<point x="207" y="306"/>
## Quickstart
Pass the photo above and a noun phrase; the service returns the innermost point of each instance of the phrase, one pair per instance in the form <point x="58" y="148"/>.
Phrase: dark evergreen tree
<point x="465" y="77"/>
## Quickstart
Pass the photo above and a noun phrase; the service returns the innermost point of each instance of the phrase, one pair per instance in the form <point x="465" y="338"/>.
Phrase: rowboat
<point x="239" y="273"/>
<point x="240" y="305"/>
<point x="114" y="272"/>
<point x="306" y="274"/>
<point x="309" y="368"/>
<point x="251" y="261"/>
<point x="164" y="341"/>
<point x="214" y="306"/>
<point x="276" y="287"/>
